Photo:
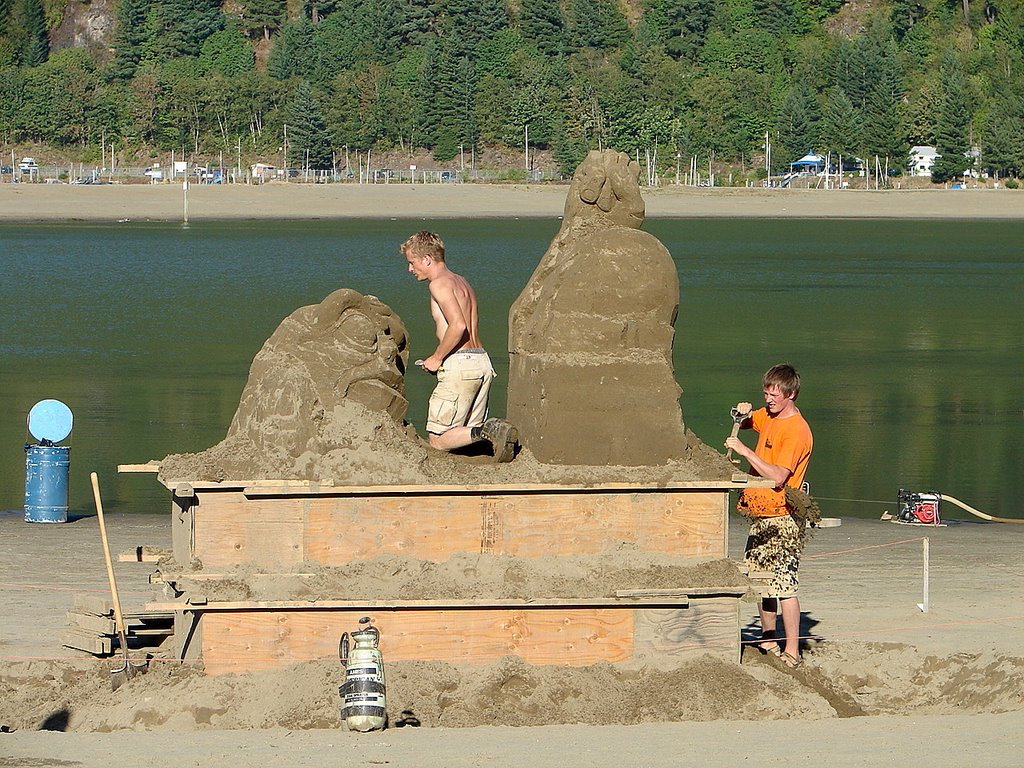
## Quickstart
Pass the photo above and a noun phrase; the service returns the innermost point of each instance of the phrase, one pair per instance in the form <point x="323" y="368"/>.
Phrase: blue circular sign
<point x="50" y="420"/>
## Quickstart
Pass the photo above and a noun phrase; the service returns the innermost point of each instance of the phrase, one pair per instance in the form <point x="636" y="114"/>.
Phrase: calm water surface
<point x="907" y="333"/>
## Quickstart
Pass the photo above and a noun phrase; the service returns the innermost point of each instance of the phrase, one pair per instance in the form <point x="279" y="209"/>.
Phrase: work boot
<point x="503" y="436"/>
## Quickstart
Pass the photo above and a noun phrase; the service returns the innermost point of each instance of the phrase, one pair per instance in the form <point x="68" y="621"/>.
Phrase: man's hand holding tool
<point x="739" y="414"/>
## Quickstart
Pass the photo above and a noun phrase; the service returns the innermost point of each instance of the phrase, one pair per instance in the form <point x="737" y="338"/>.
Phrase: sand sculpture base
<point x="269" y="529"/>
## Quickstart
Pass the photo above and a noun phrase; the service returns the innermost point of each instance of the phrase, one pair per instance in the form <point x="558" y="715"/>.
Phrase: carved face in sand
<point x="348" y="348"/>
<point x="371" y="345"/>
<point x="605" y="186"/>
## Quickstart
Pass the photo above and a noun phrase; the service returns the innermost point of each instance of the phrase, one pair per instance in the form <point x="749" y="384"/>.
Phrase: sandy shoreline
<point x="56" y="203"/>
<point x="937" y="686"/>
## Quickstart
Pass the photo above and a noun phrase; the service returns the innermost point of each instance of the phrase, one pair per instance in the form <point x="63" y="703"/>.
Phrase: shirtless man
<point x="457" y="414"/>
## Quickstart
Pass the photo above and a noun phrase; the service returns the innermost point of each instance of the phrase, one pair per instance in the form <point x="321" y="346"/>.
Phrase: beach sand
<point x="884" y="681"/>
<point x="165" y="202"/>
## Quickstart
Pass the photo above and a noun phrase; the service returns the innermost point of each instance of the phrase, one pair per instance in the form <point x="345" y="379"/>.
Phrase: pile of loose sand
<point x="845" y="681"/>
<point x="466" y="576"/>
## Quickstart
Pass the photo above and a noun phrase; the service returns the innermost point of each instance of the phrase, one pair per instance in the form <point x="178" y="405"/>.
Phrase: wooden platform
<point x="274" y="526"/>
<point x="277" y="525"/>
<point x="247" y="636"/>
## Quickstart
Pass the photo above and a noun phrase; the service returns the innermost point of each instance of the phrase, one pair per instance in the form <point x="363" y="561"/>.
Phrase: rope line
<point x="857" y="501"/>
<point x="861" y="549"/>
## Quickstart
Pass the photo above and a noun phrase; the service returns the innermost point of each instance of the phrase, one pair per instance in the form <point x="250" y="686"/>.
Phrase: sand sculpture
<point x="326" y="393"/>
<point x="591" y="379"/>
<point x="592" y="387"/>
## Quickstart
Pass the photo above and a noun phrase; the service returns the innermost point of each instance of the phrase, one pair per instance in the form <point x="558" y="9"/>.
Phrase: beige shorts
<point x="774" y="545"/>
<point x="460" y="397"/>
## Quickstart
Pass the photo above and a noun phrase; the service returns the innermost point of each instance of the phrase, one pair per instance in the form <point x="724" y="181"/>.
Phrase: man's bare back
<point x="444" y="288"/>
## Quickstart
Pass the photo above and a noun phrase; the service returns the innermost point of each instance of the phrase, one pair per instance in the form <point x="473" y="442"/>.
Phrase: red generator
<point x="918" y="507"/>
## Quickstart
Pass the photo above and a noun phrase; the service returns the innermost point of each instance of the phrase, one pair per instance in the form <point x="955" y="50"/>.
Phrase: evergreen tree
<point x="598" y="24"/>
<point x="261" y="17"/>
<point x="494" y="55"/>
<point x="26" y="31"/>
<point x="797" y="125"/>
<point x="840" y="125"/>
<point x="681" y="25"/>
<point x="385" y="20"/>
<point x="921" y="113"/>
<point x="468" y="23"/>
<point x="130" y="37"/>
<point x="179" y="27"/>
<point x="449" y="88"/>
<point x="227" y="53"/>
<point x="12" y="99"/>
<point x="1004" y="134"/>
<point x="422" y="18"/>
<point x="951" y="138"/>
<point x="297" y="53"/>
<point x="882" y="132"/>
<point x="543" y="24"/>
<point x="779" y="17"/>
<point x="309" y="143"/>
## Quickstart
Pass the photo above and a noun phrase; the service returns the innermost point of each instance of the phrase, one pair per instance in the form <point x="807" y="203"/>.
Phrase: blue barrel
<point x="46" y="483"/>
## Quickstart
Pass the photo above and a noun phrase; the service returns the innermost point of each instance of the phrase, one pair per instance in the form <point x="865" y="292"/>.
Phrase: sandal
<point x="793" y="662"/>
<point x="770" y="649"/>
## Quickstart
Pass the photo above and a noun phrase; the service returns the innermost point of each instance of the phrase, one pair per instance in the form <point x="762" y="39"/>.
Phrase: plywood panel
<point x="690" y="524"/>
<point x="280" y="531"/>
<point x="684" y="523"/>
<point x="340" y="529"/>
<point x="230" y="529"/>
<point x="708" y="625"/>
<point x="257" y="640"/>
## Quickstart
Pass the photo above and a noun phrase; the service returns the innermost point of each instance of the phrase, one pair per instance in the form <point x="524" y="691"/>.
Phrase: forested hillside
<point x="683" y="76"/>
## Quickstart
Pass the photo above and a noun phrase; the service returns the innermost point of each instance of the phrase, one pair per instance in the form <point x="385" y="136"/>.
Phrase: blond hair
<point x="424" y="244"/>
<point x="785" y="377"/>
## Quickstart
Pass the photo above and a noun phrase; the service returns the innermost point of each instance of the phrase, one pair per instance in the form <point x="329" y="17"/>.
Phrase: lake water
<point x="908" y="335"/>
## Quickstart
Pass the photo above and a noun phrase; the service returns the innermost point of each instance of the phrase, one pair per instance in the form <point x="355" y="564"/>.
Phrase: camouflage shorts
<point x="774" y="545"/>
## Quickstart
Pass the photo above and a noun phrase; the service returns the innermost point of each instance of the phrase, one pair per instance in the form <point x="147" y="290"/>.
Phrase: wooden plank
<point x="339" y="530"/>
<point x="149" y="467"/>
<point x="715" y="591"/>
<point x="230" y="529"/>
<point x="405" y="605"/>
<point x="93" y="604"/>
<point x="641" y="593"/>
<point x="89" y="642"/>
<point x="306" y="487"/>
<point x="100" y="625"/>
<point x="710" y="625"/>
<point x="255" y="641"/>
<point x="143" y="554"/>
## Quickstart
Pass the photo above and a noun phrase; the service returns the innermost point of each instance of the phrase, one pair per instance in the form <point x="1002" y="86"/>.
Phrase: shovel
<point x="129" y="669"/>
<point x="737" y="419"/>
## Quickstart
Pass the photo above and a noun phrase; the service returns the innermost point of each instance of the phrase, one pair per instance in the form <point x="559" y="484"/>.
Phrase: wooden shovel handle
<point x="118" y="617"/>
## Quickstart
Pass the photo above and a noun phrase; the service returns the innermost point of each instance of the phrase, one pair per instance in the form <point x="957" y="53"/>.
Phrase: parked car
<point x="6" y="169"/>
<point x="28" y="165"/>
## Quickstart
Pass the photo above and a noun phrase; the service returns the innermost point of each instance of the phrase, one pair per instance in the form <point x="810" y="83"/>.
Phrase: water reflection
<point x="908" y="335"/>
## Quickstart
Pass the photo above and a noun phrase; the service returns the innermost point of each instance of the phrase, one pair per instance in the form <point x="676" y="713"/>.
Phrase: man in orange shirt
<point x="783" y="450"/>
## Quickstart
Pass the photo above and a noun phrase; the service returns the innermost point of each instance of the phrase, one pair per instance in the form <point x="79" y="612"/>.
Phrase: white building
<point x="921" y="160"/>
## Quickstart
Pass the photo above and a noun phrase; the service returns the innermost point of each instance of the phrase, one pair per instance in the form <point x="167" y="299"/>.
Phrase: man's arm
<point x="774" y="472"/>
<point x="455" y="319"/>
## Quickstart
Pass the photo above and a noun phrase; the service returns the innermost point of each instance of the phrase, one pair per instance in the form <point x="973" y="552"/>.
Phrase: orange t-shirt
<point x="785" y="443"/>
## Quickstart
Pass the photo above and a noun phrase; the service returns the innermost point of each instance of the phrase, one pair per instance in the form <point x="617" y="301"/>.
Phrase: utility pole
<point x="526" y="142"/>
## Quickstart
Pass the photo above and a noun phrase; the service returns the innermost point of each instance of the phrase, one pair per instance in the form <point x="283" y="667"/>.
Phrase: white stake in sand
<point x="924" y="556"/>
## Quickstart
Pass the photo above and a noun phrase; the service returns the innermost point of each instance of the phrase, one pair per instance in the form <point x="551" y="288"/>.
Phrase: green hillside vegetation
<point x="675" y="77"/>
